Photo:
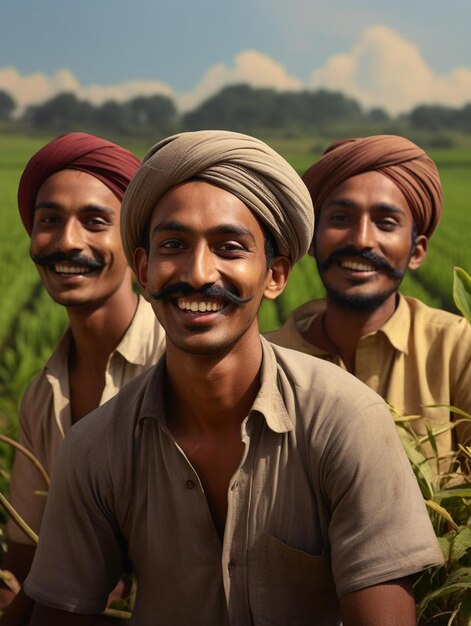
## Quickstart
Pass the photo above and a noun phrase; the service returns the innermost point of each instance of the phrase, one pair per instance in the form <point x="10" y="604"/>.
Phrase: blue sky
<point x="173" y="44"/>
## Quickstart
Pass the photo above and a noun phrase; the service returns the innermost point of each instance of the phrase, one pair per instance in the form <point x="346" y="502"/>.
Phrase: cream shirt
<point x="45" y="409"/>
<point x="420" y="357"/>
<point x="323" y="503"/>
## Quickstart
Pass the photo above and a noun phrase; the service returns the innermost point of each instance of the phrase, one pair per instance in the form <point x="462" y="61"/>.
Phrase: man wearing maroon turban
<point x="377" y="201"/>
<point x="69" y="200"/>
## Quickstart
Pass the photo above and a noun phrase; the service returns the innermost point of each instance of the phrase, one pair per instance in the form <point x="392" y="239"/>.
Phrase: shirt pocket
<point x="290" y="587"/>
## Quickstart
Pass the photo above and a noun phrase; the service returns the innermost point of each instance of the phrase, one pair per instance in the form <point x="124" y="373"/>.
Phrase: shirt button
<point x="190" y="484"/>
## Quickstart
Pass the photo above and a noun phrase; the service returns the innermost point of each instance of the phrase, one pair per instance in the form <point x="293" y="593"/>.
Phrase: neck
<point x="212" y="392"/>
<point x="339" y="329"/>
<point x="98" y="329"/>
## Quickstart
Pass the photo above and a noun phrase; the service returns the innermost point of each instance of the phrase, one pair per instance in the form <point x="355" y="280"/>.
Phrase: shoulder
<point x="436" y="320"/>
<point x="290" y="334"/>
<point x="322" y="389"/>
<point x="36" y="398"/>
<point x="111" y="426"/>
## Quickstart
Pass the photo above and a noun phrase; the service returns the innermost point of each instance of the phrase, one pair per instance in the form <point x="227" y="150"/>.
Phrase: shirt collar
<point x="131" y="347"/>
<point x="397" y="328"/>
<point x="268" y="402"/>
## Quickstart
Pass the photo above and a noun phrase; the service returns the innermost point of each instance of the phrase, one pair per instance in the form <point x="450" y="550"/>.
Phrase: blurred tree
<point x="62" y="113"/>
<point x="157" y="113"/>
<point x="7" y="105"/>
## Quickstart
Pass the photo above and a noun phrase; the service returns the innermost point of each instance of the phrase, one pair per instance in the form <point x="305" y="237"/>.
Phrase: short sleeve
<point x="79" y="558"/>
<point x="379" y="527"/>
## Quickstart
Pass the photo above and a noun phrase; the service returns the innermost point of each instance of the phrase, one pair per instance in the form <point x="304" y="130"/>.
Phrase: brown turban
<point x="242" y="165"/>
<point x="112" y="165"/>
<point x="399" y="159"/>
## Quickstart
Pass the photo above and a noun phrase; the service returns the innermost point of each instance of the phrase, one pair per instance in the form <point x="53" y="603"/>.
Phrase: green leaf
<point x="461" y="544"/>
<point x="462" y="292"/>
<point x="465" y="609"/>
<point x="456" y="492"/>
<point x="460" y="575"/>
<point x="438" y="593"/>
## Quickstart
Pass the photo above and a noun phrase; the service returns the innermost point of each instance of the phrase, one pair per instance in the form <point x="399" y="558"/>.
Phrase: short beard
<point x="359" y="303"/>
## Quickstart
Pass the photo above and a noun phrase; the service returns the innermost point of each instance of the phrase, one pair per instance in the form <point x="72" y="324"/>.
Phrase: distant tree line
<point x="238" y="107"/>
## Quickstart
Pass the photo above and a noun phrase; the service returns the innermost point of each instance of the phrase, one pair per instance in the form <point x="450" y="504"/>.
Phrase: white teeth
<point x="357" y="266"/>
<point x="68" y="269"/>
<point x="201" y="307"/>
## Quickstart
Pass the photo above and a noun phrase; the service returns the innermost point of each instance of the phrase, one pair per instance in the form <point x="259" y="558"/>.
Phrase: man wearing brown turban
<point x="377" y="202"/>
<point x="69" y="200"/>
<point x="234" y="474"/>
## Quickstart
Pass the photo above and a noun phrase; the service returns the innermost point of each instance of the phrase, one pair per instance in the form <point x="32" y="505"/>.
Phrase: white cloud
<point x="384" y="69"/>
<point x="36" y="88"/>
<point x="251" y="67"/>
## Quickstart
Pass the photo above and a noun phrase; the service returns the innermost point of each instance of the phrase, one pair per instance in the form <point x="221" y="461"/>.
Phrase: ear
<point x="277" y="278"/>
<point x="141" y="259"/>
<point x="419" y="252"/>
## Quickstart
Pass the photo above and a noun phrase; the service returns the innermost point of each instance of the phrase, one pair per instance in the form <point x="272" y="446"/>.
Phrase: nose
<point x="69" y="237"/>
<point x="200" y="267"/>
<point x="362" y="235"/>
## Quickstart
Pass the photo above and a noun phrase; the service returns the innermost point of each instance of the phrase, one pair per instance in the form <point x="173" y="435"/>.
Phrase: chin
<point x="359" y="301"/>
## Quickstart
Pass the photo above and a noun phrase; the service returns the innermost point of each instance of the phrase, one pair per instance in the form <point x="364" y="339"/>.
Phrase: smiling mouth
<point x="358" y="266"/>
<point x="196" y="306"/>
<point x="71" y="270"/>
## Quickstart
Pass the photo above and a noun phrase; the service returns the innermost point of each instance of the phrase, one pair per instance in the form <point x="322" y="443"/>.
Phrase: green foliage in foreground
<point x="443" y="594"/>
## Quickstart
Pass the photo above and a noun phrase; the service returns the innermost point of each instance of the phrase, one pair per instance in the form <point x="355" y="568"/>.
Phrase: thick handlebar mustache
<point x="58" y="257"/>
<point x="211" y="290"/>
<point x="365" y="255"/>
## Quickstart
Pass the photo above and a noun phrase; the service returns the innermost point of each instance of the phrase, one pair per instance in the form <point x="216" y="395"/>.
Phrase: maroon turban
<point x="407" y="165"/>
<point x="112" y="165"/>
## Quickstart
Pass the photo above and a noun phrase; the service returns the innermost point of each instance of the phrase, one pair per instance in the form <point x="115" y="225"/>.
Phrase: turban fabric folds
<point x="111" y="164"/>
<point x="239" y="164"/>
<point x="407" y="165"/>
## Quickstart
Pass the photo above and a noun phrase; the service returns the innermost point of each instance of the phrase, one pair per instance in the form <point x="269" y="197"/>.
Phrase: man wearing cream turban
<point x="234" y="474"/>
<point x="377" y="202"/>
<point x="69" y="200"/>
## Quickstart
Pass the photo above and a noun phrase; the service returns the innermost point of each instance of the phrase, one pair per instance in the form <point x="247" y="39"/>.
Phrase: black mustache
<point x="366" y="255"/>
<point x="211" y="290"/>
<point x="76" y="259"/>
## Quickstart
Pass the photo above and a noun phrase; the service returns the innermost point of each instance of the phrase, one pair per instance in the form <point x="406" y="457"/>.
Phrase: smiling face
<point x="76" y="242"/>
<point x="365" y="242"/>
<point x="206" y="270"/>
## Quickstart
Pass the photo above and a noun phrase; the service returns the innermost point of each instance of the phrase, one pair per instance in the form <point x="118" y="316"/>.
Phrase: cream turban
<point x="407" y="165"/>
<point x="242" y="165"/>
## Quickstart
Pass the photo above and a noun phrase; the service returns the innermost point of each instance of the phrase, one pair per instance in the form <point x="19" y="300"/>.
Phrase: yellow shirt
<point x="420" y="357"/>
<point x="45" y="416"/>
<point x="315" y="510"/>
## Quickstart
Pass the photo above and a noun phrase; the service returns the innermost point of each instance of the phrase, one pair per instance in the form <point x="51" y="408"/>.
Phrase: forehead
<point x="75" y="188"/>
<point x="201" y="206"/>
<point x="368" y="190"/>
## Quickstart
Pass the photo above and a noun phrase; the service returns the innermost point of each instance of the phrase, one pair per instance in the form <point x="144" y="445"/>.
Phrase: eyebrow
<point x="95" y="208"/>
<point x="350" y="204"/>
<point x="221" y="229"/>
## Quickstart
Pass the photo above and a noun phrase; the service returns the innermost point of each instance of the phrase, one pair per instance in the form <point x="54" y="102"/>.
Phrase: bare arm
<point x="389" y="604"/>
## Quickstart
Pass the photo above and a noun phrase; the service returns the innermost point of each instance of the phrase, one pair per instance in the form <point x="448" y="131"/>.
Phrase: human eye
<point x="387" y="224"/>
<point x="45" y="218"/>
<point x="96" y="223"/>
<point x="232" y="249"/>
<point x="338" y="218"/>
<point x="171" y="244"/>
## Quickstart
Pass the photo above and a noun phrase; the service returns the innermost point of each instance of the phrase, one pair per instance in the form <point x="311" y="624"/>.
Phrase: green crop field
<point x="30" y="323"/>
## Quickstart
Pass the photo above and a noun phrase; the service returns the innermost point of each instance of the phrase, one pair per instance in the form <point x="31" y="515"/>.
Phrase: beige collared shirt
<point x="420" y="357"/>
<point x="315" y="509"/>
<point x="45" y="416"/>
